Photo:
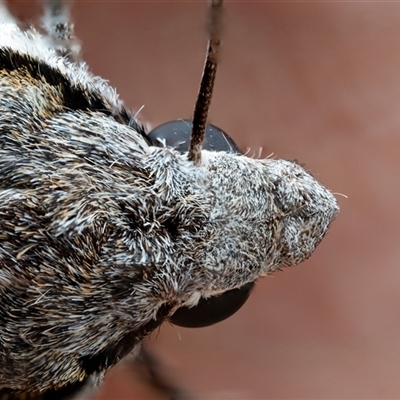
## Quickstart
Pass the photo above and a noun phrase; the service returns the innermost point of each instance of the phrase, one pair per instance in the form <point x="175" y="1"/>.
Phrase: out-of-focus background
<point x="316" y="82"/>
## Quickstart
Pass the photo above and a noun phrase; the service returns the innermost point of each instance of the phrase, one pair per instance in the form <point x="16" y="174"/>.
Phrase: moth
<point x="108" y="230"/>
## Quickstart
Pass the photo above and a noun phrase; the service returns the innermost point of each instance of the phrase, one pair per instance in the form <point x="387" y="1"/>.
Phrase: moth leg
<point x="151" y="370"/>
<point x="5" y="15"/>
<point x="60" y="30"/>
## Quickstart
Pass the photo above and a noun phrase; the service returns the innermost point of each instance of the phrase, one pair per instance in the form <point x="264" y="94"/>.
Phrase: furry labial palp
<point x="105" y="232"/>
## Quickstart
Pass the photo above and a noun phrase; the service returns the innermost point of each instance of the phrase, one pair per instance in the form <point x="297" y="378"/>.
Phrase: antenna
<point x="207" y="82"/>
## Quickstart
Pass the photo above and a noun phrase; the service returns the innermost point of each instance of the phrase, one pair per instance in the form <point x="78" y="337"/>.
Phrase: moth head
<point x="276" y="208"/>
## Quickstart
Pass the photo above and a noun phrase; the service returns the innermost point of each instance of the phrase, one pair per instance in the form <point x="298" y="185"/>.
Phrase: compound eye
<point x="176" y="135"/>
<point x="212" y="310"/>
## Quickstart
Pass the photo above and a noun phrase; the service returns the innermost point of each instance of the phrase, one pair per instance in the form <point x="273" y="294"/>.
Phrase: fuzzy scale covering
<point x="102" y="236"/>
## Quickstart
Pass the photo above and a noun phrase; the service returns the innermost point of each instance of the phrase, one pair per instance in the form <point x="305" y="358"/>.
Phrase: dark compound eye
<point x="176" y="134"/>
<point x="212" y="310"/>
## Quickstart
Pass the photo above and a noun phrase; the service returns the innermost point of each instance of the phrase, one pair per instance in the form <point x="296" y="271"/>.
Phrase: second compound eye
<point x="213" y="309"/>
<point x="176" y="135"/>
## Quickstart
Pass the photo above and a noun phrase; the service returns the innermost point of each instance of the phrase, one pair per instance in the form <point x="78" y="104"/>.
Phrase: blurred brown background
<point x="316" y="82"/>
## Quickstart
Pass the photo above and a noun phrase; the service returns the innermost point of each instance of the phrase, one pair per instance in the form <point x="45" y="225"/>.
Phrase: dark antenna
<point x="207" y="83"/>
